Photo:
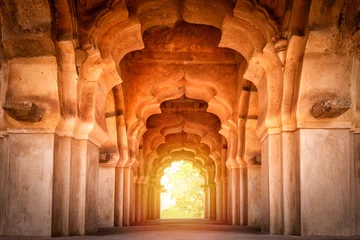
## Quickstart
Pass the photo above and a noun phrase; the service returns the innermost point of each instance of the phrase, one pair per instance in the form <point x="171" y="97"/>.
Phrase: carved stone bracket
<point x="24" y="111"/>
<point x="256" y="160"/>
<point x="330" y="108"/>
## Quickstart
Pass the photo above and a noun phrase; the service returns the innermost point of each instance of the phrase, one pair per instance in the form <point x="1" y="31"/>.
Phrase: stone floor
<point x="184" y="230"/>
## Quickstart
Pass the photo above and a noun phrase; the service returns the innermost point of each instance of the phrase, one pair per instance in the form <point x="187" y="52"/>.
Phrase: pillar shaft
<point x="83" y="191"/>
<point x="243" y="196"/>
<point x="131" y="197"/>
<point x="4" y="171"/>
<point x="61" y="186"/>
<point x="219" y="199"/>
<point x="119" y="196"/>
<point x="206" y="202"/>
<point x="272" y="164"/>
<point x="254" y="195"/>
<point x="291" y="177"/>
<point x="356" y="139"/>
<point x="144" y="201"/>
<point x="224" y="201"/>
<point x="158" y="203"/>
<point x="325" y="175"/>
<point x="235" y="203"/>
<point x="138" y="207"/>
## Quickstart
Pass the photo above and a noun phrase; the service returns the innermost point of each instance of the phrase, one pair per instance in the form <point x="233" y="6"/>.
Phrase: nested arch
<point x="245" y="21"/>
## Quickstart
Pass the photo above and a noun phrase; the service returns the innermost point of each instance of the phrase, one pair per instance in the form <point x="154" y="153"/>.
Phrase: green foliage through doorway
<point x="185" y="196"/>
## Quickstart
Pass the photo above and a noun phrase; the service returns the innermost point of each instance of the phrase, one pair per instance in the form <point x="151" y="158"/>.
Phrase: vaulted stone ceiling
<point x="163" y="83"/>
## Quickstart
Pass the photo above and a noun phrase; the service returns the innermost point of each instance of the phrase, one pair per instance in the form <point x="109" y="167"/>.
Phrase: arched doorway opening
<point x="183" y="195"/>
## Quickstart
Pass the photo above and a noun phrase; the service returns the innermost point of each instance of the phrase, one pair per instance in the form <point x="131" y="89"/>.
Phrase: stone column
<point x="144" y="201"/>
<point x="130" y="205"/>
<point x="212" y="192"/>
<point x="243" y="196"/>
<point x="254" y="195"/>
<point x="106" y="195"/>
<point x="206" y="201"/>
<point x="28" y="161"/>
<point x="219" y="199"/>
<point x="4" y="171"/>
<point x="160" y="189"/>
<point x="265" y="205"/>
<point x="272" y="185"/>
<point x="356" y="149"/>
<point x="29" y="84"/>
<point x="229" y="196"/>
<point x="325" y="182"/>
<point x="156" y="207"/>
<point x="153" y="201"/>
<point x="291" y="178"/>
<point x="129" y="199"/>
<point x="150" y="202"/>
<point x="235" y="201"/>
<point x="61" y="184"/>
<point x="119" y="197"/>
<point x="138" y="201"/>
<point x="224" y="200"/>
<point x="83" y="189"/>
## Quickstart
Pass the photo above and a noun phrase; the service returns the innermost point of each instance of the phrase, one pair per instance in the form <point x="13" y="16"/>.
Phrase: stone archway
<point x="134" y="84"/>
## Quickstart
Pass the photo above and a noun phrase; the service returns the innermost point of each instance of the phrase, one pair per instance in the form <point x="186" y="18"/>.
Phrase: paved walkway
<point x="184" y="230"/>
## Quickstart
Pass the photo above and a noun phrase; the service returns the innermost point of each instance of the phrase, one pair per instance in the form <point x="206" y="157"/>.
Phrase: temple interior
<point x="99" y="97"/>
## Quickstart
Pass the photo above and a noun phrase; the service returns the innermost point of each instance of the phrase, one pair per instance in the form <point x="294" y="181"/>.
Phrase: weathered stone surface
<point x="330" y="108"/>
<point x="80" y="56"/>
<point x="325" y="153"/>
<point x="106" y="194"/>
<point x="30" y="185"/>
<point x="24" y="111"/>
<point x="129" y="86"/>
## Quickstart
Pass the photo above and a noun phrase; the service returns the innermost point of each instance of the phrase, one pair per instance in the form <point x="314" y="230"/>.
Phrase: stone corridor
<point x="98" y="97"/>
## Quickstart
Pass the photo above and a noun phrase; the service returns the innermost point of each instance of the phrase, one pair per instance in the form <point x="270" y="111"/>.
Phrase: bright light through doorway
<point x="184" y="195"/>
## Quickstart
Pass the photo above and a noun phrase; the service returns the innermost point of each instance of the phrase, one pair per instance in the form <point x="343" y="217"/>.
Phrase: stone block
<point x="330" y="108"/>
<point x="24" y="111"/>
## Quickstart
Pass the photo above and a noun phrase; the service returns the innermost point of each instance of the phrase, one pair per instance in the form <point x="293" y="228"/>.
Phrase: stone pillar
<point x="153" y="201"/>
<point x="212" y="192"/>
<point x="119" y="197"/>
<point x="272" y="185"/>
<point x="158" y="201"/>
<point x="291" y="178"/>
<point x="4" y="171"/>
<point x="265" y="205"/>
<point x="150" y="202"/>
<point x="156" y="207"/>
<point x="206" y="201"/>
<point x="229" y="203"/>
<point x="235" y="203"/>
<point x="243" y="196"/>
<point x="29" y="159"/>
<point x="224" y="201"/>
<point x="61" y="185"/>
<point x="129" y="196"/>
<point x="29" y="84"/>
<point x="219" y="199"/>
<point x="138" y="201"/>
<point x="254" y="195"/>
<point x="83" y="189"/>
<point x="325" y="170"/>
<point x="144" y="201"/>
<point x="356" y="139"/>
<point x="106" y="195"/>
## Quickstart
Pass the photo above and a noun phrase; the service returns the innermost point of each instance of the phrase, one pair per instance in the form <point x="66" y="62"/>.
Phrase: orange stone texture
<point x="99" y="97"/>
